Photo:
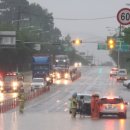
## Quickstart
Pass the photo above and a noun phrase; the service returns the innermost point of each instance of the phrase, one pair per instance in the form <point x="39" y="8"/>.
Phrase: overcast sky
<point x="87" y="30"/>
<point x="84" y="9"/>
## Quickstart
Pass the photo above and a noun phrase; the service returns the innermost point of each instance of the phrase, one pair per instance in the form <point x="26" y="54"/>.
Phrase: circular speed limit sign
<point x="123" y="16"/>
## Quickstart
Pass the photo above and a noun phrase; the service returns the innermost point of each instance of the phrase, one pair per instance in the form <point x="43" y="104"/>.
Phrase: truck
<point x="62" y="61"/>
<point x="41" y="66"/>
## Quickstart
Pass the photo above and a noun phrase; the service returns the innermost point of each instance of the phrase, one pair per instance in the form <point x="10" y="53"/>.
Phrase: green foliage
<point x="38" y="29"/>
<point x="127" y="35"/>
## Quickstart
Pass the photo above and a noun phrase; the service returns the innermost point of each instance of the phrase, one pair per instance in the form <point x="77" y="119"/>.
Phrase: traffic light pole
<point x="118" y="58"/>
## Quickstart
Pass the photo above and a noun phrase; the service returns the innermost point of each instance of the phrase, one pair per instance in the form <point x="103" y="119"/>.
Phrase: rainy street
<point x="51" y="110"/>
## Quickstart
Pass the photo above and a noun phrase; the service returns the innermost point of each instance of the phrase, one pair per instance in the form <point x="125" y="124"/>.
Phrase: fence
<point x="12" y="103"/>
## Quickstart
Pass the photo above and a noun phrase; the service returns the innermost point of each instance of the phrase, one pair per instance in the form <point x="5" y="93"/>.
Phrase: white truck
<point x="62" y="61"/>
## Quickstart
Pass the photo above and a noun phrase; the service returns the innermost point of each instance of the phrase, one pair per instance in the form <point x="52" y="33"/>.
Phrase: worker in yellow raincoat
<point x="21" y="98"/>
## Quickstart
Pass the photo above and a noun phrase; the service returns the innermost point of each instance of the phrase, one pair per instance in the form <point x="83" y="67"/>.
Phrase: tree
<point x="13" y="10"/>
<point x="127" y="35"/>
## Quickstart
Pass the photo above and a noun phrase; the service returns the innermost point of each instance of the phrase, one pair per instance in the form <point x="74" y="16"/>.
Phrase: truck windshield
<point x="10" y="78"/>
<point x="61" y="63"/>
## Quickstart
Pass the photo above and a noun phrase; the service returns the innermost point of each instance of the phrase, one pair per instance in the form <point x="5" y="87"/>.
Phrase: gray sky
<point x="85" y="9"/>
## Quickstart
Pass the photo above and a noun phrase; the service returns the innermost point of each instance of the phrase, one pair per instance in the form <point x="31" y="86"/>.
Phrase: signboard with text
<point x="7" y="39"/>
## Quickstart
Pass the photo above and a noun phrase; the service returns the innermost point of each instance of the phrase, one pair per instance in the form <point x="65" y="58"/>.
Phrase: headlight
<point x="58" y="75"/>
<point x="57" y="60"/>
<point x="1" y="84"/>
<point x="66" y="75"/>
<point x="76" y="64"/>
<point x="64" y="60"/>
<point x="1" y="88"/>
<point x="80" y="64"/>
<point x="47" y="78"/>
<point x="15" y="84"/>
<point x="53" y="75"/>
<point x="125" y="77"/>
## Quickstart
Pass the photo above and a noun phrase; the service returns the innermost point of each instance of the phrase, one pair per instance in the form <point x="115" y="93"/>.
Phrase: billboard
<point x="7" y="39"/>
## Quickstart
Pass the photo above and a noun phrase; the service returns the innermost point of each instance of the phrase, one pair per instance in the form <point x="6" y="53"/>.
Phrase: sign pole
<point x="118" y="58"/>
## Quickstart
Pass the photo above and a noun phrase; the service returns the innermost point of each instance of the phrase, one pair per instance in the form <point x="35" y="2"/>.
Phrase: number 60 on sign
<point x="123" y="16"/>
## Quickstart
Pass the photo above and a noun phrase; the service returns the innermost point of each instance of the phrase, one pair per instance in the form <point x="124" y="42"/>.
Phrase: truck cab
<point x="12" y="82"/>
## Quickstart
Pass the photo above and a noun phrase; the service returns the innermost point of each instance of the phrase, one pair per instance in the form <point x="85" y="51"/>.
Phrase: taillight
<point x="102" y="107"/>
<point x="122" y="106"/>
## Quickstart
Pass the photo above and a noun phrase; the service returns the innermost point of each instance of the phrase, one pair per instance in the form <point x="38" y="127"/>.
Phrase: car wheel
<point x="128" y="86"/>
<point x="32" y="89"/>
<point x="70" y="111"/>
<point x="100" y="115"/>
<point x="123" y="115"/>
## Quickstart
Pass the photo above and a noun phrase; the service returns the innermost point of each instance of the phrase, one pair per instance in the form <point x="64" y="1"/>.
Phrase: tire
<point x="122" y="116"/>
<point x="32" y="90"/>
<point x="100" y="115"/>
<point x="70" y="111"/>
<point x="128" y="86"/>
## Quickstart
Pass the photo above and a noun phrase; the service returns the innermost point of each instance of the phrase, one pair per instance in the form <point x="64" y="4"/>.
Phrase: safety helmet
<point x="96" y="95"/>
<point x="74" y="95"/>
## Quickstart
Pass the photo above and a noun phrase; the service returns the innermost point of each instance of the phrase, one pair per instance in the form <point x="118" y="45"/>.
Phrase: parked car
<point x="87" y="102"/>
<point x="122" y="74"/>
<point x="113" y="106"/>
<point x="126" y="83"/>
<point x="37" y="83"/>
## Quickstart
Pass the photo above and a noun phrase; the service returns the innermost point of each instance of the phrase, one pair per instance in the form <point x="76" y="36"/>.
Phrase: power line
<point x="85" y="19"/>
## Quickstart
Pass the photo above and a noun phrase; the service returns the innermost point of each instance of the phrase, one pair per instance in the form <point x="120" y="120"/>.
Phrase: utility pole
<point x="18" y="18"/>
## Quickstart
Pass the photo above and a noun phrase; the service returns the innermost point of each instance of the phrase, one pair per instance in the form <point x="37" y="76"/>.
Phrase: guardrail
<point x="12" y="103"/>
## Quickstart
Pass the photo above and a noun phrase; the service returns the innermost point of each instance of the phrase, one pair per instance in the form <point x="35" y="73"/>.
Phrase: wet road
<point x="50" y="111"/>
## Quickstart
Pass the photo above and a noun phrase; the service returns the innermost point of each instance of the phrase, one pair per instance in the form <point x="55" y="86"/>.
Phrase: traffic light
<point x="77" y="42"/>
<point x="111" y="43"/>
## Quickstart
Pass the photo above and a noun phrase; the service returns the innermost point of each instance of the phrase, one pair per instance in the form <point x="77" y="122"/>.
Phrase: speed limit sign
<point x="123" y="16"/>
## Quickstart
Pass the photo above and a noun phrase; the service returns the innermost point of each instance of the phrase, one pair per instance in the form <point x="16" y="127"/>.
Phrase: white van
<point x="122" y="74"/>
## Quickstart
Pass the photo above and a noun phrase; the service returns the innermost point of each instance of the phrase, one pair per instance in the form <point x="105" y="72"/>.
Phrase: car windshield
<point x="10" y="78"/>
<point x="111" y="101"/>
<point x="122" y="71"/>
<point x="85" y="97"/>
<point x="37" y="80"/>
